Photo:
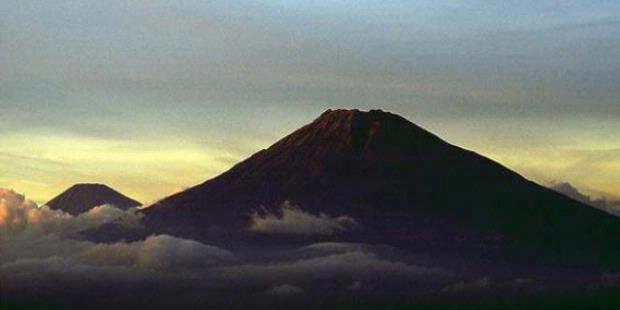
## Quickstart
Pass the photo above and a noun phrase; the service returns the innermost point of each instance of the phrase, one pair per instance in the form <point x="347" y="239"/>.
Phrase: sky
<point x="151" y="97"/>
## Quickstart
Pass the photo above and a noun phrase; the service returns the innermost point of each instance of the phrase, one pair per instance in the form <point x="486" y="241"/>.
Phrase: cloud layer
<point x="44" y="258"/>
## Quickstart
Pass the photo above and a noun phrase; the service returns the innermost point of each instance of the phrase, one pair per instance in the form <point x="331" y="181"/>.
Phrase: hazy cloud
<point x="611" y="206"/>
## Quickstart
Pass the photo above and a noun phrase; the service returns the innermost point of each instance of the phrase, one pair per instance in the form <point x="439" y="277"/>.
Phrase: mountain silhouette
<point x="402" y="184"/>
<point x="80" y="198"/>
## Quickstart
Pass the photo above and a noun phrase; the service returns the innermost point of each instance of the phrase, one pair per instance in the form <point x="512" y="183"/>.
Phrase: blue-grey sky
<point x="154" y="96"/>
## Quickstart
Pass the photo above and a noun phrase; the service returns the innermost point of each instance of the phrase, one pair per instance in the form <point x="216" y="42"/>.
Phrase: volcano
<point x="401" y="183"/>
<point x="80" y="198"/>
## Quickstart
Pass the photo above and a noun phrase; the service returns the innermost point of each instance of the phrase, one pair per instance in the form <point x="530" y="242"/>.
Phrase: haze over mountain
<point x="397" y="183"/>
<point x="80" y="198"/>
<point x="608" y="205"/>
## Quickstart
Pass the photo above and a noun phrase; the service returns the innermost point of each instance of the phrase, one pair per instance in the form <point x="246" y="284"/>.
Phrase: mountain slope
<point x="80" y="198"/>
<point x="402" y="183"/>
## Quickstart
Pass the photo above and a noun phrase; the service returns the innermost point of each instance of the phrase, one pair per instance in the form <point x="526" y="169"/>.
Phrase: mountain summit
<point x="400" y="182"/>
<point x="80" y="198"/>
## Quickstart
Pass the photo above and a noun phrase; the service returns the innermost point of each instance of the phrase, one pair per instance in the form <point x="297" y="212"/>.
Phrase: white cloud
<point x="293" y="220"/>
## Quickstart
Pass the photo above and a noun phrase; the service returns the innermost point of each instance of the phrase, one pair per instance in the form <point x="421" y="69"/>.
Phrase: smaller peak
<point x="82" y="197"/>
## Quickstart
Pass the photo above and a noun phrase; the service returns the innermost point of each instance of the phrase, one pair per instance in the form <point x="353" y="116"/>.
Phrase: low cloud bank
<point x="43" y="258"/>
<point x="43" y="255"/>
<point x="29" y="232"/>
<point x="291" y="219"/>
